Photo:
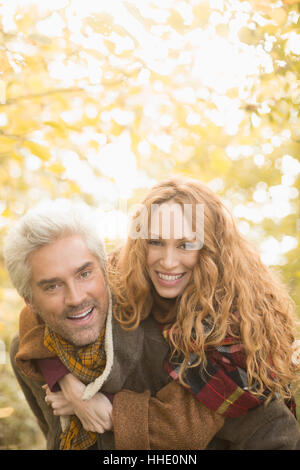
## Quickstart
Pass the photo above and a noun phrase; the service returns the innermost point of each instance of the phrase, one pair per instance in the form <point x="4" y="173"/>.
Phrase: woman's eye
<point x="154" y="242"/>
<point x="184" y="246"/>
<point x="189" y="246"/>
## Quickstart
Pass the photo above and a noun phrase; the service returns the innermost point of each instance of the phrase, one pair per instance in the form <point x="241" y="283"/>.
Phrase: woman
<point x="228" y="321"/>
<point x="221" y="290"/>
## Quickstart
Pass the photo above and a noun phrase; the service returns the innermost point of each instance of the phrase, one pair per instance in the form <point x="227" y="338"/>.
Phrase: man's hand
<point x="95" y="414"/>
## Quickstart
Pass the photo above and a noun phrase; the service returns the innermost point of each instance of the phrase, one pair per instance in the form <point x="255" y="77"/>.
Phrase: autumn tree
<point x="97" y="102"/>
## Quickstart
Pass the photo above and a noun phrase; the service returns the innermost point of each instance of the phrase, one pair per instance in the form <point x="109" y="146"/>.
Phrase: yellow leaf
<point x="219" y="163"/>
<point x="222" y="30"/>
<point x="94" y="144"/>
<point x="24" y="21"/>
<point x="101" y="23"/>
<point x="56" y="168"/>
<point x="74" y="188"/>
<point x="201" y="14"/>
<point x="6" y="213"/>
<point x="60" y="128"/>
<point x="2" y="92"/>
<point x="6" y="412"/>
<point x="233" y="93"/>
<point x="176" y="21"/>
<point x="40" y="39"/>
<point x="135" y="140"/>
<point x="5" y="64"/>
<point x="23" y="126"/>
<point x="247" y="36"/>
<point x="110" y="46"/>
<point x="262" y="5"/>
<point x="3" y="277"/>
<point x="39" y="150"/>
<point x="17" y="157"/>
<point x="6" y="143"/>
<point x="116" y="129"/>
<point x="278" y="15"/>
<point x="59" y="125"/>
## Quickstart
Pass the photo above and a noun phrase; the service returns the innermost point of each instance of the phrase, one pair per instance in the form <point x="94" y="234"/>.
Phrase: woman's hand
<point x="60" y="405"/>
<point x="95" y="414"/>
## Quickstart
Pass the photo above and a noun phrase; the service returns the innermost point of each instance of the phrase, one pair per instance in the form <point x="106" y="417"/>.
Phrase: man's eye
<point x="51" y="287"/>
<point x="85" y="274"/>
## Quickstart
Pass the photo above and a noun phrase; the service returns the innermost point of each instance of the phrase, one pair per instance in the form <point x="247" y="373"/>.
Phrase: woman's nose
<point x="169" y="258"/>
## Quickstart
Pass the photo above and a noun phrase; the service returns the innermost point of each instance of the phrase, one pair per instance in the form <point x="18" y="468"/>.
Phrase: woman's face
<point x="172" y="250"/>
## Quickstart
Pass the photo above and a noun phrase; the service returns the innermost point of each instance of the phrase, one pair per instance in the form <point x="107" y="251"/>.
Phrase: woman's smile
<point x="168" y="279"/>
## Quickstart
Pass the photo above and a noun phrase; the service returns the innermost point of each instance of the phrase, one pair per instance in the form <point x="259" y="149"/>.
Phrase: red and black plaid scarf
<point x="223" y="385"/>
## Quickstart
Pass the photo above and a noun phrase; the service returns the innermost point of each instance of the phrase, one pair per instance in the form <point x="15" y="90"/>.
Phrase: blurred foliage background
<point x="99" y="100"/>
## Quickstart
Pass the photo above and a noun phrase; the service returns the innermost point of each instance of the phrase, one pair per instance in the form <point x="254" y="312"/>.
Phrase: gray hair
<point x="43" y="225"/>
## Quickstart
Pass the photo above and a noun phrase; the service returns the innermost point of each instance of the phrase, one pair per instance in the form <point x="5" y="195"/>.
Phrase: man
<point x="56" y="261"/>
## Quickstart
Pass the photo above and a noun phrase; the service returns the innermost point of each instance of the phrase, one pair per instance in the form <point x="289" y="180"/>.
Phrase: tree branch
<point x="41" y="95"/>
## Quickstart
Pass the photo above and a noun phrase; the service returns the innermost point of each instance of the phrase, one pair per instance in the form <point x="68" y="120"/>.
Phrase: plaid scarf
<point x="223" y="385"/>
<point x="86" y="363"/>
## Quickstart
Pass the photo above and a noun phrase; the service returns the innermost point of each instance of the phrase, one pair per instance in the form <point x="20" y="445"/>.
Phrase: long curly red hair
<point x="230" y="289"/>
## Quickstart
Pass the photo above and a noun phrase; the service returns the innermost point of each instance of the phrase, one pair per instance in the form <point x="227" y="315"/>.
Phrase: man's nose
<point x="74" y="295"/>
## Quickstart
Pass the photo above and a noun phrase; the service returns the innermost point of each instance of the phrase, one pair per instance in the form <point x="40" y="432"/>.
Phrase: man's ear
<point x="30" y="305"/>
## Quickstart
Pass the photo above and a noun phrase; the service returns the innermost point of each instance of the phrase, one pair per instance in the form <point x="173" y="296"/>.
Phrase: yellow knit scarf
<point x="86" y="363"/>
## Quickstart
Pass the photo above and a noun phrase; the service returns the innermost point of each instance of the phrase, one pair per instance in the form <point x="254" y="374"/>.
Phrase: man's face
<point x="69" y="290"/>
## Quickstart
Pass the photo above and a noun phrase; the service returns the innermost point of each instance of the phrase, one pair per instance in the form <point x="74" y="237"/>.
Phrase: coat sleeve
<point x="172" y="420"/>
<point x="271" y="427"/>
<point x="52" y="370"/>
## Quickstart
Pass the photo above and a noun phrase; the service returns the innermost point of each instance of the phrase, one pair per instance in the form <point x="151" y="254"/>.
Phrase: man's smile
<point x="83" y="317"/>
